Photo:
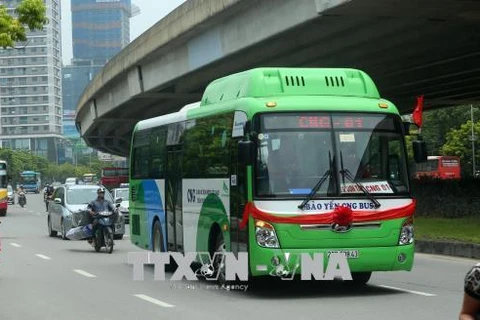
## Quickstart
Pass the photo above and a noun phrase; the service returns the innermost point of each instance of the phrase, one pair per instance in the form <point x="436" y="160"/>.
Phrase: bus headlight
<point x="265" y="235"/>
<point x="406" y="232"/>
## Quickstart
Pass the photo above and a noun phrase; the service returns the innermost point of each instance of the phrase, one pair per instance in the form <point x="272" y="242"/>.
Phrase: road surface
<point x="50" y="278"/>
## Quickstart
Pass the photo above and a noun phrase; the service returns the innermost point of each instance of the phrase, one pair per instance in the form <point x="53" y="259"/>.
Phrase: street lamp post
<point x="473" y="143"/>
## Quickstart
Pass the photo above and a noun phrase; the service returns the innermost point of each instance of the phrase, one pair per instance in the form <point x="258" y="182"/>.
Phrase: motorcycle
<point x="103" y="236"/>
<point x="22" y="199"/>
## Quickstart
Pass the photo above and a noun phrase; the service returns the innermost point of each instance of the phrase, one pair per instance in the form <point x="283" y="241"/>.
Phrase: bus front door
<point x="173" y="183"/>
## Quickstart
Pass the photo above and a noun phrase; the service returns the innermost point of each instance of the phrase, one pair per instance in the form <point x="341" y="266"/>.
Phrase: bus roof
<point x="284" y="85"/>
<point x="169" y="118"/>
<point x="270" y="82"/>
<point x="444" y="157"/>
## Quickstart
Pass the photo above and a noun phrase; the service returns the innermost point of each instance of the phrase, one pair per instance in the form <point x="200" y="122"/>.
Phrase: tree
<point x="458" y="143"/>
<point x="437" y="124"/>
<point x="30" y="13"/>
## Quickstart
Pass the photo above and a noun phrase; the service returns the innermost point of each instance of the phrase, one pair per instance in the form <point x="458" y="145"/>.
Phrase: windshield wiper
<point x="320" y="182"/>
<point x="346" y="173"/>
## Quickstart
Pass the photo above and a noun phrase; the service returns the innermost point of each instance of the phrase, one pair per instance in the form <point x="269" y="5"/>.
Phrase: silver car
<point x="11" y="195"/>
<point x="73" y="198"/>
<point x="125" y="204"/>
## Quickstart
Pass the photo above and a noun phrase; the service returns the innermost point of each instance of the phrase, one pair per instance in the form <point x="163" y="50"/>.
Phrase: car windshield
<point x="9" y="188"/>
<point x="122" y="193"/>
<point x="295" y="151"/>
<point x="84" y="196"/>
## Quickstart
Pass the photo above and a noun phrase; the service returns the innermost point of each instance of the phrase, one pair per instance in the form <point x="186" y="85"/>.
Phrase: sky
<point x="151" y="11"/>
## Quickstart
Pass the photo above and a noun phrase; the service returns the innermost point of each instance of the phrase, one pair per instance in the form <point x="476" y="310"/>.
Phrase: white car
<point x="124" y="206"/>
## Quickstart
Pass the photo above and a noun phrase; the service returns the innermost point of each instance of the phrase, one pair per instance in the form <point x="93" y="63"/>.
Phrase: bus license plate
<point x="350" y="254"/>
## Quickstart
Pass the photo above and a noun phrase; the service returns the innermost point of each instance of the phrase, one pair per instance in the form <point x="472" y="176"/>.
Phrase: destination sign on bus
<point x="450" y="163"/>
<point x="326" y="122"/>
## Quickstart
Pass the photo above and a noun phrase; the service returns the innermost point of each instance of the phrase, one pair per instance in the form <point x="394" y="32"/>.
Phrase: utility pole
<point x="473" y="144"/>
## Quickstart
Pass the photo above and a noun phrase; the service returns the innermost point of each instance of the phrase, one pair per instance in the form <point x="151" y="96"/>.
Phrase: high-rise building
<point x="100" y="28"/>
<point x="31" y="89"/>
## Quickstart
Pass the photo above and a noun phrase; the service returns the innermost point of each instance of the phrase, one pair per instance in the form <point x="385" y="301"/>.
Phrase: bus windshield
<point x="3" y="181"/>
<point x="29" y="179"/>
<point x="113" y="172"/>
<point x="296" y="150"/>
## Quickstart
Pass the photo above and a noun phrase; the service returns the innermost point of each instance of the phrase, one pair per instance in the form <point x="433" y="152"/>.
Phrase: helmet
<point x="101" y="190"/>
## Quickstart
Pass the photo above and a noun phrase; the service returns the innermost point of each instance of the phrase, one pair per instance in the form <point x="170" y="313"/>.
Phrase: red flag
<point x="417" y="113"/>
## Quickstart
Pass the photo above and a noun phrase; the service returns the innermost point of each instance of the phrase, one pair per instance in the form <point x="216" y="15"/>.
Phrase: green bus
<point x="278" y="162"/>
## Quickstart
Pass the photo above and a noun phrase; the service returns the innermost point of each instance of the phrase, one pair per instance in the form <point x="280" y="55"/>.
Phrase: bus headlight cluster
<point x="265" y="235"/>
<point x="406" y="232"/>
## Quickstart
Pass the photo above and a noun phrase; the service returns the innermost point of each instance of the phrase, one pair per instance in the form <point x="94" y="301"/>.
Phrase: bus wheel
<point x="219" y="260"/>
<point x="157" y="237"/>
<point x="3" y="212"/>
<point x="157" y="245"/>
<point x="360" y="278"/>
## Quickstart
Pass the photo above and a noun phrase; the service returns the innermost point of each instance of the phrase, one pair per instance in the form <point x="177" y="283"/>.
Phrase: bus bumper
<point x="263" y="260"/>
<point x="3" y="206"/>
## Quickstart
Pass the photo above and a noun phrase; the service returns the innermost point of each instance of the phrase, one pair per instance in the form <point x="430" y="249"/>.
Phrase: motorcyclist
<point x="21" y="193"/>
<point x="47" y="195"/>
<point x="471" y="296"/>
<point x="100" y="204"/>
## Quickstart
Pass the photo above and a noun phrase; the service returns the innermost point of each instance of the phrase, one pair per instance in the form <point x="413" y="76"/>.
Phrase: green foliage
<point x="458" y="143"/>
<point x="20" y="160"/>
<point x="437" y="124"/>
<point x="31" y="13"/>
<point x="447" y="199"/>
<point x="460" y="229"/>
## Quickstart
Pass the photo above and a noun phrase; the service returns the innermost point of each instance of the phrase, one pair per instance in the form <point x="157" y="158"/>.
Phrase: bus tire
<point x="360" y="278"/>
<point x="157" y="244"/>
<point x="218" y="266"/>
<point x="3" y="212"/>
<point x="157" y="239"/>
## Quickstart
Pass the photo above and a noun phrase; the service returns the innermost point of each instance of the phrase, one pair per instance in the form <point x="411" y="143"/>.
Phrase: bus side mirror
<point x="245" y="152"/>
<point x="410" y="128"/>
<point x="419" y="151"/>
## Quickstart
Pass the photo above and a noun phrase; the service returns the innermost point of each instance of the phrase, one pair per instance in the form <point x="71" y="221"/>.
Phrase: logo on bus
<point x="191" y="195"/>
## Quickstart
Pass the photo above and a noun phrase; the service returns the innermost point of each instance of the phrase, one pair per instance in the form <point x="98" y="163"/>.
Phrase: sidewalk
<point x="457" y="249"/>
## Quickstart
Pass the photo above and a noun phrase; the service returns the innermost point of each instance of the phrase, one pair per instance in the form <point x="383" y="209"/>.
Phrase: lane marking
<point x="44" y="257"/>
<point x="85" y="273"/>
<point x="409" y="291"/>
<point x="154" y="301"/>
<point x="15" y="244"/>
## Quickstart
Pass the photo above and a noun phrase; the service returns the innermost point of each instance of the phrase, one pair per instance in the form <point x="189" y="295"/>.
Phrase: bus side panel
<point x="205" y="202"/>
<point x="3" y="201"/>
<point x="146" y="206"/>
